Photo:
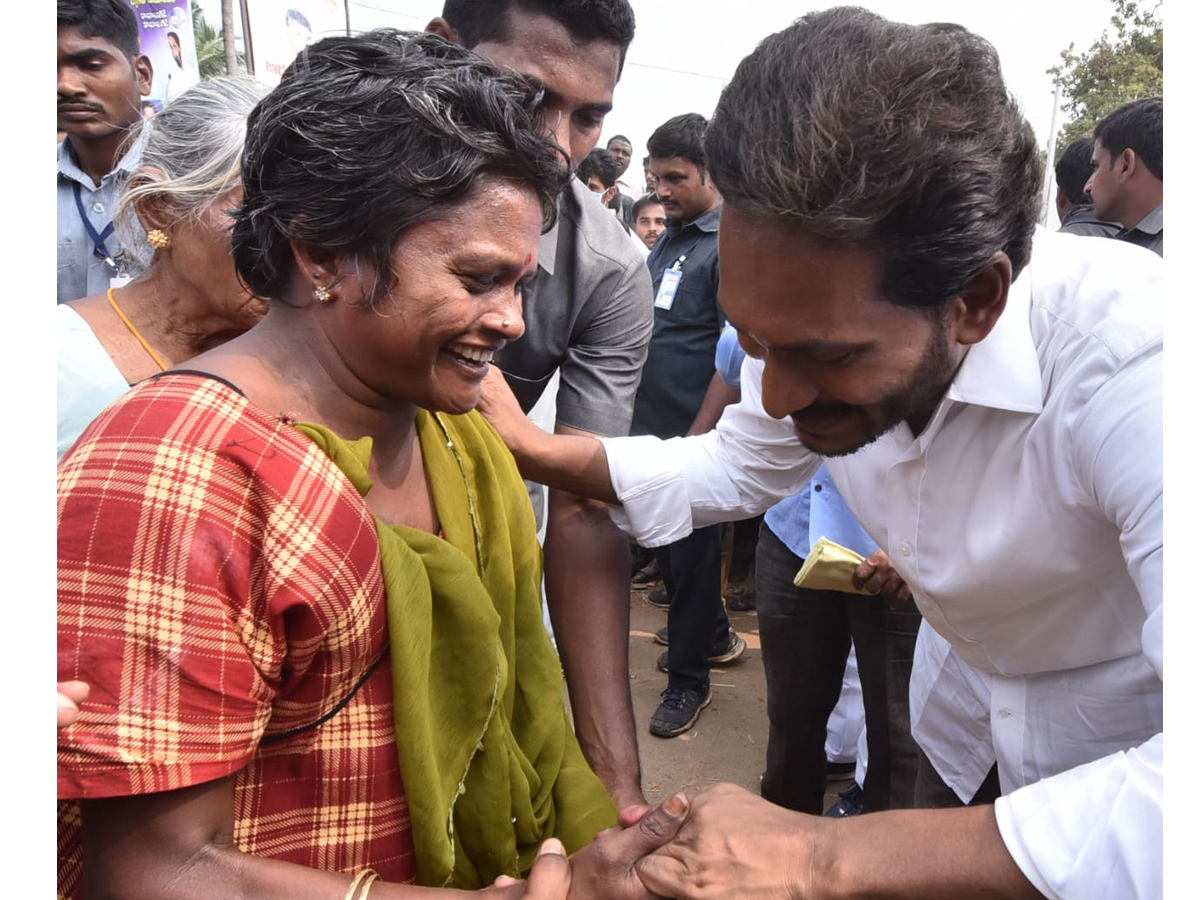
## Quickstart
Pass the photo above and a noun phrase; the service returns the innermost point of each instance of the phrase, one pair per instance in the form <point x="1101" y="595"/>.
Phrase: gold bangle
<point x="361" y="885"/>
<point x="366" y="886"/>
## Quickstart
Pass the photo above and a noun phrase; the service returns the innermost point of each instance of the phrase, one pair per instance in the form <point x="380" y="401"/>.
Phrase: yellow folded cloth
<point x="830" y="567"/>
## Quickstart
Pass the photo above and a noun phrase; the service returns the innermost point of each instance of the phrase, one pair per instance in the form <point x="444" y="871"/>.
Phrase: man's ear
<point x="143" y="71"/>
<point x="607" y="197"/>
<point x="984" y="297"/>
<point x="1127" y="163"/>
<point x="442" y="28"/>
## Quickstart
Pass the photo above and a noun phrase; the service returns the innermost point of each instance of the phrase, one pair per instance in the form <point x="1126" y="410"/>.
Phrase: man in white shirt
<point x="989" y="406"/>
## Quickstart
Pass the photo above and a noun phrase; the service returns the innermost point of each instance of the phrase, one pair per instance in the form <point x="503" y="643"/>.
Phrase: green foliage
<point x="210" y="47"/>
<point x="1113" y="70"/>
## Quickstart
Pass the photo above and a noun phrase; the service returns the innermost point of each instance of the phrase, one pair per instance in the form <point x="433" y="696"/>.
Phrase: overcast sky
<point x="685" y="52"/>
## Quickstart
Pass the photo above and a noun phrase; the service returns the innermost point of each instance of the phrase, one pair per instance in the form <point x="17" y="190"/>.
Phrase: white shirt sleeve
<point x="1096" y="830"/>
<point x="744" y="466"/>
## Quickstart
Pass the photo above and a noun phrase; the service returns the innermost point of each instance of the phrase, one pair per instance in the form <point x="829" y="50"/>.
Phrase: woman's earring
<point x="158" y="238"/>
<point x="322" y="294"/>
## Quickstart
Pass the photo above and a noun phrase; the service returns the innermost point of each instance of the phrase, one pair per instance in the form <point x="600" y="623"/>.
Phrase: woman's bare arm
<point x="178" y="845"/>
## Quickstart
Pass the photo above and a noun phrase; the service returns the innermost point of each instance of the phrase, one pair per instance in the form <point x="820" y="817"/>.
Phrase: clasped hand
<point x="605" y="869"/>
<point x="726" y="842"/>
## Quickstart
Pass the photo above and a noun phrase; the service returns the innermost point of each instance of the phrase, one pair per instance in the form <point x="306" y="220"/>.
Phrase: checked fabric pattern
<point x="219" y="587"/>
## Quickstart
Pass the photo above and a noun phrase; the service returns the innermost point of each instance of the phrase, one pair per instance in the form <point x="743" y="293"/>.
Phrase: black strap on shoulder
<point x="276" y="738"/>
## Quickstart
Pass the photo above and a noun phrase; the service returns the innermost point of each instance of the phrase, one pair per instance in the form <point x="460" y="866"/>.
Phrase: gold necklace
<point x="112" y="301"/>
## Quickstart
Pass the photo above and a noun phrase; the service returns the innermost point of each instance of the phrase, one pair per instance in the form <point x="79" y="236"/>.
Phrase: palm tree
<point x="211" y="46"/>
<point x="232" y="61"/>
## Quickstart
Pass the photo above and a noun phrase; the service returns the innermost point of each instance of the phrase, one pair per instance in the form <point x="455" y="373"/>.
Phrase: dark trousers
<point x="696" y="621"/>
<point x="933" y="793"/>
<point x="805" y="642"/>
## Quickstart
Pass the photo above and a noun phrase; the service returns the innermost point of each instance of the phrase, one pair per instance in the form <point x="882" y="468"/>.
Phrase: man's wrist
<point x="822" y="873"/>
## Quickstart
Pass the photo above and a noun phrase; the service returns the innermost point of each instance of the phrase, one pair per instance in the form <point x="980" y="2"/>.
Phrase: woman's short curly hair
<point x="367" y="135"/>
<point x="898" y="138"/>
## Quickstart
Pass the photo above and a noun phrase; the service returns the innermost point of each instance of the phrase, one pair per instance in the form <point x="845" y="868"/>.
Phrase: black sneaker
<point x="679" y="710"/>
<point x="734" y="649"/>
<point x="658" y="597"/>
<point x="731" y="651"/>
<point x="661" y="637"/>
<point x="850" y="804"/>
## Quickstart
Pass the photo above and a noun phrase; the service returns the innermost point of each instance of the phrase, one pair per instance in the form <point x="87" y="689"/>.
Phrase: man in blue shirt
<point x="102" y="78"/>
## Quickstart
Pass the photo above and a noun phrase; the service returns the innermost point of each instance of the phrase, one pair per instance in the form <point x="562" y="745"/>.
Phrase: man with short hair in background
<point x="588" y="317"/>
<point x="1074" y="206"/>
<point x="1126" y="184"/>
<point x="649" y="219"/>
<point x="599" y="172"/>
<point x="102" y="77"/>
<point x="622" y="152"/>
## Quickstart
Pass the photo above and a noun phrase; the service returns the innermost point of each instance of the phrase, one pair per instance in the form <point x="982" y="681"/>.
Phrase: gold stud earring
<point x="322" y="294"/>
<point x="158" y="239"/>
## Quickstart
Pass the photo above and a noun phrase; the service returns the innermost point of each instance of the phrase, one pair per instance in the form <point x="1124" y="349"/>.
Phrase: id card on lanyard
<point x="669" y="285"/>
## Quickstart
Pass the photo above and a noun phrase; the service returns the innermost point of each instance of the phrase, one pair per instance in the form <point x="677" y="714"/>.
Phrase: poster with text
<point x="277" y="30"/>
<point x="167" y="37"/>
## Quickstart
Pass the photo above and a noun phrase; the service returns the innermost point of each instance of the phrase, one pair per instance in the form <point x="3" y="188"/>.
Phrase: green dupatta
<point x="491" y="766"/>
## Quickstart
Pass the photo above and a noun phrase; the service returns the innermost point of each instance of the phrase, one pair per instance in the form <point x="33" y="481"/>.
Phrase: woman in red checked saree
<point x="299" y="572"/>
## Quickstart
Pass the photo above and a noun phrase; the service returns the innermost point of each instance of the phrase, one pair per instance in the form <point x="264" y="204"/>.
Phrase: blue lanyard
<point x="98" y="238"/>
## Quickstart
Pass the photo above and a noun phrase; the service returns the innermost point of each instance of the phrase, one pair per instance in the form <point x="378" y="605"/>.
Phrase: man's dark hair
<point x="681" y="136"/>
<point x="642" y="202"/>
<point x="477" y="21"/>
<point x="109" y="20"/>
<point x="1136" y="126"/>
<point x="601" y="164"/>
<point x="367" y="135"/>
<point x="1074" y="168"/>
<point x="619" y="137"/>
<point x="901" y="139"/>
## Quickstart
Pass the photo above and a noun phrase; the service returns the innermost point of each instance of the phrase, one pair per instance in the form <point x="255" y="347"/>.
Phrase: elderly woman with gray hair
<point x="175" y="215"/>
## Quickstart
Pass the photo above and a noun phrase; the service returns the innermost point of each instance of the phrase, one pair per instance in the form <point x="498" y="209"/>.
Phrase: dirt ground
<point x="729" y="742"/>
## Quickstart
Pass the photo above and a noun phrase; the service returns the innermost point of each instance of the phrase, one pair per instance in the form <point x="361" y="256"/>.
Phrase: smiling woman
<point x="317" y="649"/>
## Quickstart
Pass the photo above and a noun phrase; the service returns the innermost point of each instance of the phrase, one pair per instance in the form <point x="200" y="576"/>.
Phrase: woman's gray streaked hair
<point x="192" y="155"/>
